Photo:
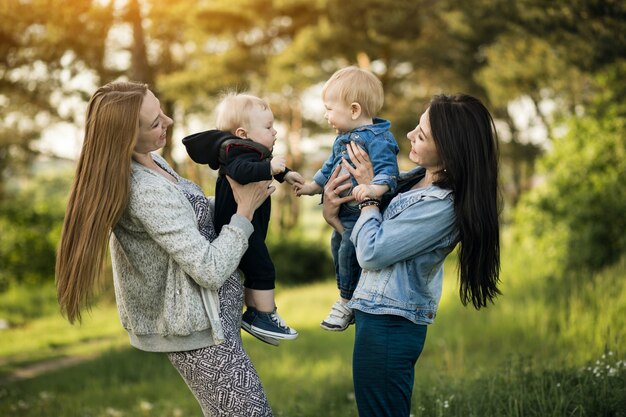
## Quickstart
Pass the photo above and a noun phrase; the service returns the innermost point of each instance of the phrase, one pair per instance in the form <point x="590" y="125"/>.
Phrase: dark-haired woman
<point x="450" y="198"/>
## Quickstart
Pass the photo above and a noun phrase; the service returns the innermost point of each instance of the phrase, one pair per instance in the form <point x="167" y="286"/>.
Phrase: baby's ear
<point x="355" y="110"/>
<point x="241" y="132"/>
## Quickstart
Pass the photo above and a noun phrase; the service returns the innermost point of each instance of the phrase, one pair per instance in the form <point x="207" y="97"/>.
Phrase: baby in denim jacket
<point x="352" y="97"/>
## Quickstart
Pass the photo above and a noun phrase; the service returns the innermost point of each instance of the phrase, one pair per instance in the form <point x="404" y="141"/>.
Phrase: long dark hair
<point x="466" y="139"/>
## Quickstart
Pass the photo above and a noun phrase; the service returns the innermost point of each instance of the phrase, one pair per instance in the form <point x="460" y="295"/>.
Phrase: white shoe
<point x="339" y="318"/>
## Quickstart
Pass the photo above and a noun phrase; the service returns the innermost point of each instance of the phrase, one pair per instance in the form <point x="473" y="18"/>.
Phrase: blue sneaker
<point x="246" y="324"/>
<point x="266" y="324"/>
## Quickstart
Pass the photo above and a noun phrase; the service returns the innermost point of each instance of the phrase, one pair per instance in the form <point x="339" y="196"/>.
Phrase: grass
<point x="50" y="336"/>
<point x="539" y="351"/>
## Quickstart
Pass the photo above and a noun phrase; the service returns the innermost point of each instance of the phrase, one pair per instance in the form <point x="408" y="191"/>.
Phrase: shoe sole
<point x="334" y="328"/>
<point x="266" y="333"/>
<point x="266" y="339"/>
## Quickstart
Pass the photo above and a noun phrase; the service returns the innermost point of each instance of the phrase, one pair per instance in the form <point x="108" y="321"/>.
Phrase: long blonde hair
<point x="99" y="192"/>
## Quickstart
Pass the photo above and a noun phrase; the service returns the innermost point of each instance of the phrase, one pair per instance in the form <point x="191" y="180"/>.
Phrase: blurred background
<point x="552" y="72"/>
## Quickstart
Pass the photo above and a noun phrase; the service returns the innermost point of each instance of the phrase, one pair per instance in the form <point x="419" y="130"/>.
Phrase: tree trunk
<point x="142" y="71"/>
<point x="288" y="210"/>
<point x="140" y="68"/>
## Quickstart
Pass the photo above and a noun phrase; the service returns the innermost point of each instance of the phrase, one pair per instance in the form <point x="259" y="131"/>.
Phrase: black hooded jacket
<point x="244" y="161"/>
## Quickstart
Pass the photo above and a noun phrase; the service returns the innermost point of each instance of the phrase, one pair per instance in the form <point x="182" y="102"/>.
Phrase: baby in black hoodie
<point x="241" y="147"/>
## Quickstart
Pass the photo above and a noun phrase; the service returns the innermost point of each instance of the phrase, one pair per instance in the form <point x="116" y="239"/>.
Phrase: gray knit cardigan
<point x="166" y="274"/>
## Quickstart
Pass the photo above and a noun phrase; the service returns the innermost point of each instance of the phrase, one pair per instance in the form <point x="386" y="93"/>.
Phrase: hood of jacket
<point x="204" y="147"/>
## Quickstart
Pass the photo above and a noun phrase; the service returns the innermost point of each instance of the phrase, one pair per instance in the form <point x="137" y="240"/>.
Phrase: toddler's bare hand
<point x="277" y="164"/>
<point x="363" y="192"/>
<point x="294" y="178"/>
<point x="308" y="188"/>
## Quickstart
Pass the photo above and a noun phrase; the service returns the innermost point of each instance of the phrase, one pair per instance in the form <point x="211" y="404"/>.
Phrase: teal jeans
<point x="386" y="349"/>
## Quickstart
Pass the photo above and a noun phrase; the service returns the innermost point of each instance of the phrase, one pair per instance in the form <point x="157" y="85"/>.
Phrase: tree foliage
<point x="589" y="34"/>
<point x="564" y="57"/>
<point x="576" y="217"/>
<point x="31" y="227"/>
<point x="40" y="55"/>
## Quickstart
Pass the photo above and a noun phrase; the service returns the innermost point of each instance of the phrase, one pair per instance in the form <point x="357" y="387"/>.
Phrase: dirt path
<point x="39" y="368"/>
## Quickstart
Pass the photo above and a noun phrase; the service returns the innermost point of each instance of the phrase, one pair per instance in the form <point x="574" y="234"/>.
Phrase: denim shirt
<point x="380" y="145"/>
<point x="402" y="253"/>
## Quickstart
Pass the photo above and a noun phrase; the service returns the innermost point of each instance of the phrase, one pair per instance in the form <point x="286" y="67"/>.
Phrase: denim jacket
<point x="380" y="145"/>
<point x="402" y="253"/>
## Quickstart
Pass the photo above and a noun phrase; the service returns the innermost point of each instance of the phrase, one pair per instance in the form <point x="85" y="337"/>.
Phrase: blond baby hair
<point x="356" y="85"/>
<point x="233" y="111"/>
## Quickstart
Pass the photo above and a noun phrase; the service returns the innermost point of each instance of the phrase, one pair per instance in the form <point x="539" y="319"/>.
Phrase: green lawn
<point x="529" y="355"/>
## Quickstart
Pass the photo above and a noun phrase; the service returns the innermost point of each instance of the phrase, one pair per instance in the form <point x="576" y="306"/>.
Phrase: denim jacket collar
<point x="398" y="205"/>
<point x="412" y="176"/>
<point x="379" y="126"/>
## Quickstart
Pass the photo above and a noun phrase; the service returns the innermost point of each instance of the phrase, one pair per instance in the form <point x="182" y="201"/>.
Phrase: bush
<point x="22" y="303"/>
<point x="576" y="217"/>
<point x="31" y="219"/>
<point x="299" y="261"/>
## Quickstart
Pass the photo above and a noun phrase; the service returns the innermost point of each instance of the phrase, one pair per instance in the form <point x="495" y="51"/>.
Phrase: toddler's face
<point x="261" y="129"/>
<point x="338" y="114"/>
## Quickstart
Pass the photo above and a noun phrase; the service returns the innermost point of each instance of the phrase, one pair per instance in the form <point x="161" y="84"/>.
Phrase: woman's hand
<point x="249" y="197"/>
<point x="332" y="201"/>
<point x="363" y="171"/>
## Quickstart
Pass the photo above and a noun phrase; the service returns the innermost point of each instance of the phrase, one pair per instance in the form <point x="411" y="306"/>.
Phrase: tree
<point x="191" y="51"/>
<point x="40" y="55"/>
<point x="576" y="217"/>
<point x="552" y="87"/>
<point x="589" y="34"/>
<point x="30" y="221"/>
<point x="238" y="46"/>
<point x="43" y="63"/>
<point x="160" y="36"/>
<point x="550" y="54"/>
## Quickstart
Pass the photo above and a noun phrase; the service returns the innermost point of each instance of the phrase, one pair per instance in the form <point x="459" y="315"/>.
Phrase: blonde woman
<point x="176" y="284"/>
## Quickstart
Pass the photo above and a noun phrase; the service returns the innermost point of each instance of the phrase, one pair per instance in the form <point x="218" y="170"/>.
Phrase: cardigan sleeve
<point x="168" y="219"/>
